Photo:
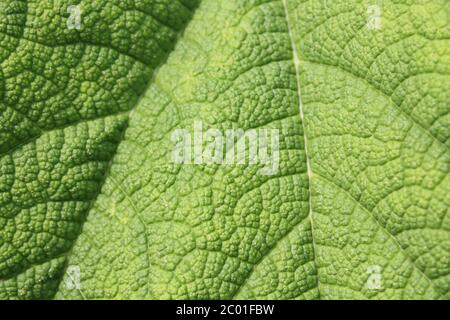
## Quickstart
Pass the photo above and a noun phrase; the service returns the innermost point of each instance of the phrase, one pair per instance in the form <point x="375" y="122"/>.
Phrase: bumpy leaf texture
<point x="86" y="181"/>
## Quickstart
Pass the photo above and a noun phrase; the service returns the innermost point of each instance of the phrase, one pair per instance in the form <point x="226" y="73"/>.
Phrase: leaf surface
<point x="363" y="178"/>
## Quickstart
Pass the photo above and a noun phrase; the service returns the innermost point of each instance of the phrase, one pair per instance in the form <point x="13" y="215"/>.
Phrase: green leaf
<point x="92" y="204"/>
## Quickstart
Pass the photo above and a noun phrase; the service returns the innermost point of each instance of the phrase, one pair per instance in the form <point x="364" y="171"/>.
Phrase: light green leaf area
<point x="87" y="179"/>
